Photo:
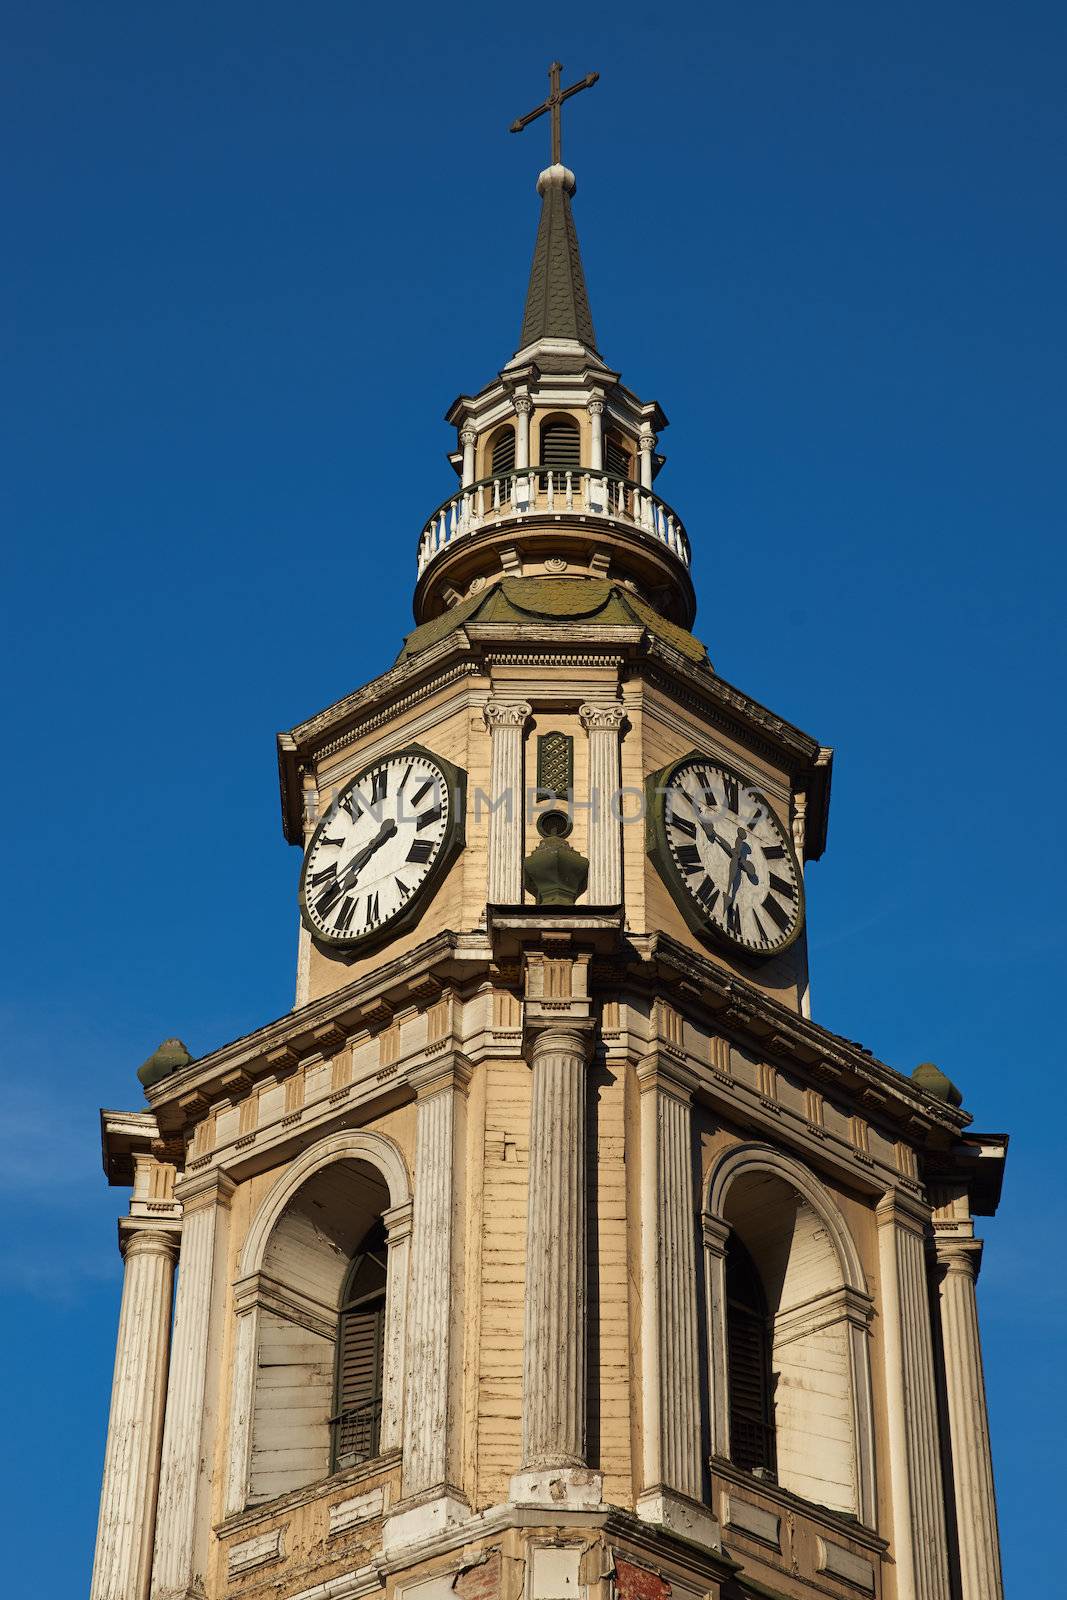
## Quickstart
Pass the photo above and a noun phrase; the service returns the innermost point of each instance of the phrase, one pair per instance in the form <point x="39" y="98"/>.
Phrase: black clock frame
<point x="452" y="843"/>
<point x="658" y="850"/>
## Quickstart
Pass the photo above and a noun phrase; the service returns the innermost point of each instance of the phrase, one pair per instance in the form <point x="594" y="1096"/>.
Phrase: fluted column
<point x="919" y="1539"/>
<point x="968" y="1420"/>
<point x="602" y="724"/>
<point x="506" y="721"/>
<point x="433" y="1413"/>
<point x="122" y="1566"/>
<point x="554" y="1356"/>
<point x="189" y="1431"/>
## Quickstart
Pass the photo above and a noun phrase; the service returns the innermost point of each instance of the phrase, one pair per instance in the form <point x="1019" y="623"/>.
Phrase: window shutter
<point x="748" y="1356"/>
<point x="359" y="1383"/>
<point x="356" y="1422"/>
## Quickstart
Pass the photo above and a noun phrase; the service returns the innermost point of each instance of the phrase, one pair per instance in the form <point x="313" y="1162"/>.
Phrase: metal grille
<point x="555" y="763"/>
<point x="355" y="1434"/>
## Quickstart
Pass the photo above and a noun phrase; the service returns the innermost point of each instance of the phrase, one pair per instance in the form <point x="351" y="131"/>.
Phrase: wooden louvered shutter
<point x="356" y="1422"/>
<point x="359" y="1383"/>
<point x="748" y="1355"/>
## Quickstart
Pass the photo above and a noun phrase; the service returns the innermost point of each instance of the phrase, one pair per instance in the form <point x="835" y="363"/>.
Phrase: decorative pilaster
<point x="716" y="1236"/>
<point x="596" y="443"/>
<point x="310" y="800"/>
<point x="432" y="1419"/>
<point x="398" y="1225"/>
<point x="919" y="1538"/>
<point x="506" y="721"/>
<point x="122" y="1566"/>
<point x="799" y="824"/>
<point x="183" y="1518"/>
<point x="603" y="723"/>
<point x="670" y="1385"/>
<point x="958" y="1259"/>
<point x="468" y="439"/>
<point x="553" y="1408"/>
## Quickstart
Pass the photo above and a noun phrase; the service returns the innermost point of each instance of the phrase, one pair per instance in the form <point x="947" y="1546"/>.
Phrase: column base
<point x="567" y="1488"/>
<point x="680" y="1515"/>
<point x="426" y="1519"/>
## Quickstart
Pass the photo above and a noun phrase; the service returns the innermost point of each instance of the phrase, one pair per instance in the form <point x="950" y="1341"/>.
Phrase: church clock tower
<point x="548" y="1249"/>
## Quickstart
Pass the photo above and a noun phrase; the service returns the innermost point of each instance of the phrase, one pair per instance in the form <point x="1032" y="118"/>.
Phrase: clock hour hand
<point x="361" y="857"/>
<point x="739" y="863"/>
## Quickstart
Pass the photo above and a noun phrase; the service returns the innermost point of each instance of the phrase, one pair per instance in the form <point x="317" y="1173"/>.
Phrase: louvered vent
<point x="504" y="452"/>
<point x="617" y="459"/>
<point x="356" y="1422"/>
<point x="748" y="1354"/>
<point x="561" y="444"/>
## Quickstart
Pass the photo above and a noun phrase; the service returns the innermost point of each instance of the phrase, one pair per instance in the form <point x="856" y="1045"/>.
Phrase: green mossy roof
<point x="595" y="602"/>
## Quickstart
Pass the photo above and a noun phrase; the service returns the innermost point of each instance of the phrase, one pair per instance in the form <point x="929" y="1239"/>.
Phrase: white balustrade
<point x="551" y="491"/>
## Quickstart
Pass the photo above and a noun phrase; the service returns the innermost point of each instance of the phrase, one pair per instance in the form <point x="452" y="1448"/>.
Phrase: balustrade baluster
<point x="570" y="493"/>
<point x="551" y="493"/>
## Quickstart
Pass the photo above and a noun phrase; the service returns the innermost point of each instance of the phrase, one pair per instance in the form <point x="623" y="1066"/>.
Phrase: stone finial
<point x="555" y="873"/>
<point x="169" y="1058"/>
<point x="929" y="1077"/>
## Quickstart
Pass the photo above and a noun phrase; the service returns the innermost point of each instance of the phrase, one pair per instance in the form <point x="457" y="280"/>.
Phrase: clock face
<point x="386" y="836"/>
<point x="727" y="859"/>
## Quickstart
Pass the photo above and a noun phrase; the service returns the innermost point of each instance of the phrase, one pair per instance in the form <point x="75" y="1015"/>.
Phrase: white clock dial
<point x="376" y="847"/>
<point x="732" y="856"/>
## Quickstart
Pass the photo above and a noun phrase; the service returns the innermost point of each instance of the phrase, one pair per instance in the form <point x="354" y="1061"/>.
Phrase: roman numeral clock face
<point x="373" y="859"/>
<point x="725" y="857"/>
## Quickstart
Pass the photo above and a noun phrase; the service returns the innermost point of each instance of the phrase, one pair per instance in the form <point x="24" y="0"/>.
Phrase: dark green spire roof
<point x="557" y="304"/>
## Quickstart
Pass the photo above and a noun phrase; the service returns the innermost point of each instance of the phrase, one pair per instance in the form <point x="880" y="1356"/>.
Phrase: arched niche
<point x="293" y="1271"/>
<point x="819" y="1313"/>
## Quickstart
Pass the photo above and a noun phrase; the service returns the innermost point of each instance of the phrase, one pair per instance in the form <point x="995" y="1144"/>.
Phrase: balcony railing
<point x="552" y="491"/>
<point x="355" y="1434"/>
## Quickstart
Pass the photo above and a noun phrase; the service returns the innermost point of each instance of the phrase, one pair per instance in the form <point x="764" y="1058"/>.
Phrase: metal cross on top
<point x="555" y="99"/>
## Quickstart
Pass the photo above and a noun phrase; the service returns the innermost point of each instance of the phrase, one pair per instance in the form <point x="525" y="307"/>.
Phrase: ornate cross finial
<point x="555" y="99"/>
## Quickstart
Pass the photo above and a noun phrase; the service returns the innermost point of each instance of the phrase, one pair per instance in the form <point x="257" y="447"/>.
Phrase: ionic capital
<point x="595" y="408"/>
<point x="506" y="713"/>
<point x="523" y="405"/>
<point x="468" y="436"/>
<point x="648" y="442"/>
<point x="609" y="717"/>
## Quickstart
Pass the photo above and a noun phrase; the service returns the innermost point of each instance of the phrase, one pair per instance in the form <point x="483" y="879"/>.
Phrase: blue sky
<point x="253" y="252"/>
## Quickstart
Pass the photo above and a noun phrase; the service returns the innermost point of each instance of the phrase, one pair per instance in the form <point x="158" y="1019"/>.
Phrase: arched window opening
<point x="357" y="1417"/>
<point x="791" y="1367"/>
<point x="617" y="458"/>
<point x="317" y="1400"/>
<point x="748" y="1340"/>
<point x="502" y="459"/>
<point x="561" y="444"/>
